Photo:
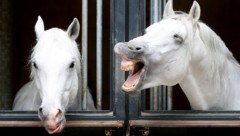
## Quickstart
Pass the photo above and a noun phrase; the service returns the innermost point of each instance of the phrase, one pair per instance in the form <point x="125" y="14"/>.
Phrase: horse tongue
<point x="132" y="80"/>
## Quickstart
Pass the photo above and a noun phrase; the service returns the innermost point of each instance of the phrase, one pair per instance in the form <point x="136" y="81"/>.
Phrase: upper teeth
<point x="127" y="68"/>
<point x="127" y="65"/>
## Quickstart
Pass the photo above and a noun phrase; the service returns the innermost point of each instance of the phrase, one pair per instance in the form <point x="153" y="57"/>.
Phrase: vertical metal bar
<point x="99" y="54"/>
<point x="135" y="25"/>
<point x="158" y="95"/>
<point x="6" y="55"/>
<point x="168" y="88"/>
<point x="117" y="77"/>
<point x="84" y="51"/>
<point x="154" y="12"/>
<point x="169" y="98"/>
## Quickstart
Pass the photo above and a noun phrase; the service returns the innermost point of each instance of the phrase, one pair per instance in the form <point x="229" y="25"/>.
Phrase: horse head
<point x="55" y="68"/>
<point x="162" y="55"/>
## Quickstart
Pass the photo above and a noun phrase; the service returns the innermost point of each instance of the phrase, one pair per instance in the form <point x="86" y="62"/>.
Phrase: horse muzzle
<point x="53" y="121"/>
<point x="132" y="62"/>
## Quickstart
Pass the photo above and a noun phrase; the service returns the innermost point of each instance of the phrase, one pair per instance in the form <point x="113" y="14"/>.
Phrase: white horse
<point x="182" y="50"/>
<point x="56" y="77"/>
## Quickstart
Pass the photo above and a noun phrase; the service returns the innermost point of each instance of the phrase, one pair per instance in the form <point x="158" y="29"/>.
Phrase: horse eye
<point x="72" y="65"/>
<point x="35" y="65"/>
<point x="178" y="38"/>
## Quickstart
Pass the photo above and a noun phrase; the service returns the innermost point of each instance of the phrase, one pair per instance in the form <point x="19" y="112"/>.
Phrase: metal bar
<point x="88" y="123"/>
<point x="95" y="123"/>
<point x="152" y="98"/>
<point x="117" y="76"/>
<point x="136" y="26"/>
<point x="84" y="51"/>
<point x="169" y="98"/>
<point x="99" y="54"/>
<point x="155" y="98"/>
<point x="164" y="100"/>
<point x="154" y="10"/>
<point x="158" y="100"/>
<point x="184" y="123"/>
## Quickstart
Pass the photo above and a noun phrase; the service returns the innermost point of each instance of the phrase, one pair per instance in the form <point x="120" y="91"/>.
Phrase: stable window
<point x="159" y="110"/>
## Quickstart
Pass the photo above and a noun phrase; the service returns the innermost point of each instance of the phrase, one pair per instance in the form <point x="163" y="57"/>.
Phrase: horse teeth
<point x="126" y="68"/>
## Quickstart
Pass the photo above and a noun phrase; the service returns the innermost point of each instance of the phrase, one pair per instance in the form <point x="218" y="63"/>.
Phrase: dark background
<point x="222" y="16"/>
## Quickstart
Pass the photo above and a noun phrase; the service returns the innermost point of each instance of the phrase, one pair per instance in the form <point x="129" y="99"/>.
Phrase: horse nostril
<point x="134" y="48"/>
<point x="40" y="110"/>
<point x="40" y="113"/>
<point x="59" y="113"/>
<point x="138" y="48"/>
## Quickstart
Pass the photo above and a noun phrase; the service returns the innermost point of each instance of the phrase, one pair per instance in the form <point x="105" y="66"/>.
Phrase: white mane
<point x="221" y="58"/>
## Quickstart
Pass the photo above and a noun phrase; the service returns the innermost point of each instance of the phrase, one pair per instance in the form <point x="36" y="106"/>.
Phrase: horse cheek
<point x="69" y="80"/>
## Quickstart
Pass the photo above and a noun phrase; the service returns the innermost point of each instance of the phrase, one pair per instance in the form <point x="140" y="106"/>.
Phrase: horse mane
<point x="59" y="36"/>
<point x="222" y="59"/>
<point x="214" y="42"/>
<point x="224" y="68"/>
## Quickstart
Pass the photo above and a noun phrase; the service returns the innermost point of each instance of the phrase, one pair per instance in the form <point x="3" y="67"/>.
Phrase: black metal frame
<point x="113" y="119"/>
<point x="140" y="118"/>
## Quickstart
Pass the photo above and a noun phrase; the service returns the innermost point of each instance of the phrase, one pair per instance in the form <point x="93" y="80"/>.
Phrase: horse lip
<point x="56" y="130"/>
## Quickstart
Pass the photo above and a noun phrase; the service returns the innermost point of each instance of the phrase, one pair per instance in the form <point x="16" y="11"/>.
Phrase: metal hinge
<point x="145" y="131"/>
<point x="108" y="132"/>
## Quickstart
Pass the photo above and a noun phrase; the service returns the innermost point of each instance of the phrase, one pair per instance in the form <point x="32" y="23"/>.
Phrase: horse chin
<point x="56" y="128"/>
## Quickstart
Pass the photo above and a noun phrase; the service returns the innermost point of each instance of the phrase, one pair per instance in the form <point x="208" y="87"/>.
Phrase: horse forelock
<point x="56" y="38"/>
<point x="177" y="16"/>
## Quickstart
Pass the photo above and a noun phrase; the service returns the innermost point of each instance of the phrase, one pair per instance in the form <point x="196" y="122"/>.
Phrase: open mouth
<point x="136" y="68"/>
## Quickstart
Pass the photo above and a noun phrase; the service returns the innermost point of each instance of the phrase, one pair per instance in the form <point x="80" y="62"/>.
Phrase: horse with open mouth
<point x="180" y="49"/>
<point x="56" y="84"/>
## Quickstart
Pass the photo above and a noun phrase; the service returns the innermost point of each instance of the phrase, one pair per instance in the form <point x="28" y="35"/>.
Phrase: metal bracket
<point x="108" y="132"/>
<point x="145" y="131"/>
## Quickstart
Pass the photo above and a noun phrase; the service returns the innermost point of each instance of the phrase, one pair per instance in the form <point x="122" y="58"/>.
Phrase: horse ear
<point x="73" y="29"/>
<point x="39" y="27"/>
<point x="195" y="12"/>
<point x="168" y="10"/>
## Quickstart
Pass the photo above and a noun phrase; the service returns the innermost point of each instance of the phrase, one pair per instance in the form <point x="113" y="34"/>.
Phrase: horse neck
<point x="212" y="82"/>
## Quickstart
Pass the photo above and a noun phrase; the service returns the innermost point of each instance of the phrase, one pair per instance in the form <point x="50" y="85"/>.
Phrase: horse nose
<point x="57" y="113"/>
<point x="54" y="114"/>
<point x="135" y="48"/>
